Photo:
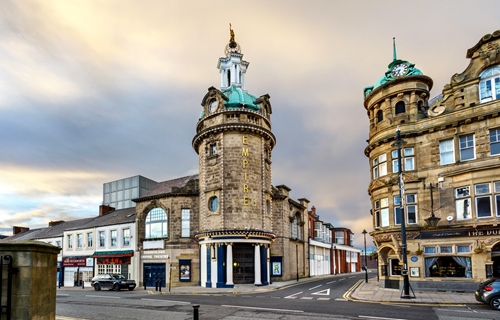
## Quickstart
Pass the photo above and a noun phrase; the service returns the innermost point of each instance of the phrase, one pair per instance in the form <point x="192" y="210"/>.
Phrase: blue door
<point x="154" y="273"/>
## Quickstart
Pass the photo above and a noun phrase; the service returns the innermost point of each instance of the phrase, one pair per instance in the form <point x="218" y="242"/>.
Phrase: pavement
<point x="361" y="291"/>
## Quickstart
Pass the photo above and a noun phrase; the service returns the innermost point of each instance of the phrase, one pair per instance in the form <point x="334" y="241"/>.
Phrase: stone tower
<point x="234" y="144"/>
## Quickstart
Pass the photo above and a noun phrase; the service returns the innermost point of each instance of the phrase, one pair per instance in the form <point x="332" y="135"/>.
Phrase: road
<point x="321" y="299"/>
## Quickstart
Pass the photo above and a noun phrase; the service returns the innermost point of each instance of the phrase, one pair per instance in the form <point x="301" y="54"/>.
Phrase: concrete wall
<point x="34" y="283"/>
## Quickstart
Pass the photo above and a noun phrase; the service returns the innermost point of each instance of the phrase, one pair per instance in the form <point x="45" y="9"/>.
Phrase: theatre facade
<point x="450" y="183"/>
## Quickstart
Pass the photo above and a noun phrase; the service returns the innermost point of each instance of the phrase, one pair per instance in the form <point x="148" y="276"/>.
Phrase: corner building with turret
<point x="448" y="193"/>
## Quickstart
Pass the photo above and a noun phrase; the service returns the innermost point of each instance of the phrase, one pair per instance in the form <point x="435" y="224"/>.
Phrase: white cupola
<point x="232" y="67"/>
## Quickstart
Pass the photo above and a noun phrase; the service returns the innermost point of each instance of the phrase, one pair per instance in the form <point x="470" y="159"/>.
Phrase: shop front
<point x="78" y="271"/>
<point x="115" y="262"/>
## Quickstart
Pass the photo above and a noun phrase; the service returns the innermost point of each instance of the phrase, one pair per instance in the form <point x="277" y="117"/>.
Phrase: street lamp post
<point x="366" y="264"/>
<point x="404" y="272"/>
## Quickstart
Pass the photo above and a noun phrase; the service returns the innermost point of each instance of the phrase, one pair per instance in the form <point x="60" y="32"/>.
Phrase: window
<point x="467" y="148"/>
<point x="489" y="87"/>
<point x="395" y="267"/>
<point x="126" y="237"/>
<point x="400" y="107"/>
<point x="411" y="209"/>
<point x="446" y="249"/>
<point x="295" y="227"/>
<point x="462" y="203"/>
<point x="483" y="203"/>
<point x="58" y="243"/>
<point x="186" y="230"/>
<point x="339" y="237"/>
<point x="407" y="159"/>
<point x="495" y="142"/>
<point x="102" y="237"/>
<point x="79" y="240"/>
<point x="448" y="266"/>
<point x="113" y="238"/>
<point x="380" y="116"/>
<point x="156" y="224"/>
<point x="379" y="166"/>
<point x="109" y="268"/>
<point x="70" y="241"/>
<point x="429" y="250"/>
<point x="213" y="204"/>
<point x="213" y="149"/>
<point x="497" y="196"/>
<point x="463" y="249"/>
<point x="382" y="213"/>
<point x="446" y="152"/>
<point x="90" y="237"/>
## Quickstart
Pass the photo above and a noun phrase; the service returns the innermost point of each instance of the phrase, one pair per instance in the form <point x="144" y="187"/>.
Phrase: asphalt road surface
<point x="322" y="299"/>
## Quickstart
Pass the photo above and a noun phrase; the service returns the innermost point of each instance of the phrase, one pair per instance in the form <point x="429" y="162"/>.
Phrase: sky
<point x="95" y="91"/>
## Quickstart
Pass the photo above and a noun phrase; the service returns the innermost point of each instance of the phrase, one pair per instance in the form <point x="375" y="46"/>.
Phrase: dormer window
<point x="489" y="87"/>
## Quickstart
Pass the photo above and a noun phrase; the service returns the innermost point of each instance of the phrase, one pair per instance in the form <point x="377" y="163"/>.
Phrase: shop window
<point x="156" y="224"/>
<point x="467" y="148"/>
<point x="446" y="249"/>
<point x="462" y="203"/>
<point x="429" y="250"/>
<point x="449" y="266"/>
<point x="446" y="153"/>
<point x="395" y="267"/>
<point x="495" y="142"/>
<point x="489" y="86"/>
<point x="379" y="167"/>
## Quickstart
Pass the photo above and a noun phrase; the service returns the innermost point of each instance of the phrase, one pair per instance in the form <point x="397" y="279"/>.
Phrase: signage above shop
<point x="74" y="262"/>
<point x="471" y="232"/>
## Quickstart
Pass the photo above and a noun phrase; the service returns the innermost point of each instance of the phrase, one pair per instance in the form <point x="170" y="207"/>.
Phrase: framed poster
<point x="184" y="270"/>
<point x="414" y="272"/>
<point x="276" y="268"/>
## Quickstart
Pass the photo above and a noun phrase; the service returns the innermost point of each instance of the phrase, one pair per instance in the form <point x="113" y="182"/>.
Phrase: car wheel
<point x="97" y="287"/>
<point x="495" y="303"/>
<point x="116" y="287"/>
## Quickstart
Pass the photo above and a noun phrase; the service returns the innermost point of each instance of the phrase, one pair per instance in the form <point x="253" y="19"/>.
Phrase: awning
<point x="110" y="254"/>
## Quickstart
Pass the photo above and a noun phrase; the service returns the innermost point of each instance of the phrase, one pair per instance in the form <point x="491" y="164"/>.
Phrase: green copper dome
<point x="237" y="98"/>
<point x="405" y="68"/>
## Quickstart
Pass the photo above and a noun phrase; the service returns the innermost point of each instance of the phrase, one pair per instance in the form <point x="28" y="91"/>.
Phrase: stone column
<point x="268" y="265"/>
<point x="257" y="265"/>
<point x="203" y="265"/>
<point x="229" y="264"/>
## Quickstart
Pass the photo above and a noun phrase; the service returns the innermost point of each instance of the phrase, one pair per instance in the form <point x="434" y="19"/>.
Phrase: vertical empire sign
<point x="244" y="155"/>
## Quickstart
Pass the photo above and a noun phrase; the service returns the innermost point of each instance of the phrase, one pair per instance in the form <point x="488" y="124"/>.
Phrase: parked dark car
<point x="112" y="282"/>
<point x="489" y="293"/>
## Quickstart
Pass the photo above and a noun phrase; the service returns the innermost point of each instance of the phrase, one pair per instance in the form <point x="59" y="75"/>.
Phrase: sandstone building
<point x="450" y="171"/>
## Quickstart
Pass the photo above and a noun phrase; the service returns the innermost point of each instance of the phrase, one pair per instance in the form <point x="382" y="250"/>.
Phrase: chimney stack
<point x="16" y="230"/>
<point x="55" y="223"/>
<point x="105" y="209"/>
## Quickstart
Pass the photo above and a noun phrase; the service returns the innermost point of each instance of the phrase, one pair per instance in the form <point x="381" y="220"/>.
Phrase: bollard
<point x="156" y="285"/>
<point x="160" y="287"/>
<point x="195" y="312"/>
<point x="83" y="284"/>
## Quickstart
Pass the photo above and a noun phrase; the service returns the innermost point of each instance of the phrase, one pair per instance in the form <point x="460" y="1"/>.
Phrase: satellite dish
<point x="449" y="218"/>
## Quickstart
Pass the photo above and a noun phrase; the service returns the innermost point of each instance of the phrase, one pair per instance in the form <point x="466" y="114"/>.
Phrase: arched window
<point x="489" y="87"/>
<point x="295" y="227"/>
<point x="156" y="224"/>
<point x="380" y="116"/>
<point x="400" y="107"/>
<point x="228" y="78"/>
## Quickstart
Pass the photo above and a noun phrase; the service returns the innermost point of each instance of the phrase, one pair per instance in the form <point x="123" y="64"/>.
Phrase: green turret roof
<point x="238" y="98"/>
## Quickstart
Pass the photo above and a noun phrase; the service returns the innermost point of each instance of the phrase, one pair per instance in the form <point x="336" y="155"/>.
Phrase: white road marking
<point x="341" y="279"/>
<point x="340" y="299"/>
<point x="292" y="295"/>
<point x="306" y="298"/>
<point x="68" y="318"/>
<point x="396" y="305"/>
<point x="110" y="297"/>
<point x="351" y="277"/>
<point x="368" y="317"/>
<point x="62" y="294"/>
<point x="325" y="292"/>
<point x="257" y="308"/>
<point x="170" y="301"/>
<point x="324" y="299"/>
<point x="316" y="287"/>
<point x="331" y="281"/>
